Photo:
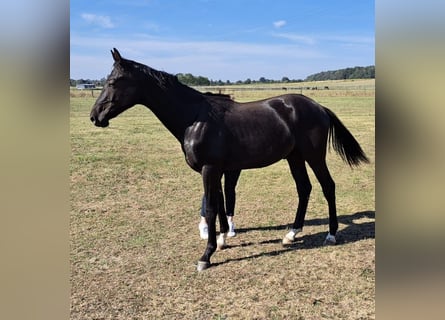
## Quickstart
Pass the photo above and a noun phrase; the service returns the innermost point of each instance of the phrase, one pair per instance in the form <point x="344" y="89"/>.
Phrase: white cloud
<point x="102" y="21"/>
<point x="296" y="37"/>
<point x="280" y="23"/>
<point x="317" y="39"/>
<point x="351" y="39"/>
<point x="153" y="46"/>
<point x="213" y="59"/>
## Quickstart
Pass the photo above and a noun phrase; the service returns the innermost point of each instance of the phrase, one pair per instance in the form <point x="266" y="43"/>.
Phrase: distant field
<point x="359" y="87"/>
<point x="135" y="211"/>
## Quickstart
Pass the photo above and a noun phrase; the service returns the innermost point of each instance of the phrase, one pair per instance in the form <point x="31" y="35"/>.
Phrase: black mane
<point x="162" y="78"/>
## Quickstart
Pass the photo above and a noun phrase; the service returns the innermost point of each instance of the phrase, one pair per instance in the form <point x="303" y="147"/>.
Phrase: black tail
<point x="344" y="143"/>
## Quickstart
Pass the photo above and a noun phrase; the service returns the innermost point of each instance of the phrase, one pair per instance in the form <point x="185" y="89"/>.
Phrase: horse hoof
<point x="202" y="265"/>
<point x="330" y="240"/>
<point x="287" y="241"/>
<point x="289" y="238"/>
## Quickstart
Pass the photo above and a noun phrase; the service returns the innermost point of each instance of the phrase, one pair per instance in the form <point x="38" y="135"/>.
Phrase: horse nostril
<point x="92" y="119"/>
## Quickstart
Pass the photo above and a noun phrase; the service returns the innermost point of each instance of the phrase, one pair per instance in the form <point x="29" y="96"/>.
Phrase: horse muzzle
<point x="99" y="121"/>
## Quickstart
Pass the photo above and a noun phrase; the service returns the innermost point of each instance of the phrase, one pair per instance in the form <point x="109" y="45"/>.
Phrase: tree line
<point x="191" y="80"/>
<point x="97" y="83"/>
<point x="342" y="74"/>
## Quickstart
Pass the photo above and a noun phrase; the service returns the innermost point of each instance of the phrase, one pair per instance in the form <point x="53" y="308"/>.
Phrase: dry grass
<point x="135" y="242"/>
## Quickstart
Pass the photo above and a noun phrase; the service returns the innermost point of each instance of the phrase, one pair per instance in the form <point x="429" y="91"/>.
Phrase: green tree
<point x="347" y="73"/>
<point x="191" y="80"/>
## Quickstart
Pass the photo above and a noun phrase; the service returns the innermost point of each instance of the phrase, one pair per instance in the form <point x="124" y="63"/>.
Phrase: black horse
<point x="218" y="135"/>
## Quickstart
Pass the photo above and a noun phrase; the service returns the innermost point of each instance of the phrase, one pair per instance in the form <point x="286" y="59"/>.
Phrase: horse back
<point x="254" y="134"/>
<point x="297" y="112"/>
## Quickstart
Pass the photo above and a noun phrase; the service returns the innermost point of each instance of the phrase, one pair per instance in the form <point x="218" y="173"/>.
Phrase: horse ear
<point x="116" y="55"/>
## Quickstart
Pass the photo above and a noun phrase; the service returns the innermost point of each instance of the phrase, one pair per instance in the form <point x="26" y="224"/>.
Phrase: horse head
<point x="120" y="92"/>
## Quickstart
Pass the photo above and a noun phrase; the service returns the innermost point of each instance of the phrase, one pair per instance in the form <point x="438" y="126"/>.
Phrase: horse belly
<point x="259" y="145"/>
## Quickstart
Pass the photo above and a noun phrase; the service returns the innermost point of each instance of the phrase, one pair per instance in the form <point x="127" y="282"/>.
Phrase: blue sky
<point x="222" y="39"/>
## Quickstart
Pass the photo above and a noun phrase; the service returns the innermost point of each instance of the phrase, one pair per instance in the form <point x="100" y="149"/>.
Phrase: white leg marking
<point x="202" y="265"/>
<point x="221" y="241"/>
<point x="330" y="239"/>
<point x="290" y="236"/>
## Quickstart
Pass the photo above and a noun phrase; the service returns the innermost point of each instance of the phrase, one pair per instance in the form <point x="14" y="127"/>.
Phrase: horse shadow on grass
<point x="354" y="231"/>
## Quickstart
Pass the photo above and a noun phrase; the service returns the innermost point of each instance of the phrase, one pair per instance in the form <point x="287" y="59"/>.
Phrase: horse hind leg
<point x="328" y="186"/>
<point x="304" y="187"/>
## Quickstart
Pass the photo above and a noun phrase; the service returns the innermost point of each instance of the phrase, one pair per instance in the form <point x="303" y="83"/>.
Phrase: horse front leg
<point x="223" y="223"/>
<point x="211" y="176"/>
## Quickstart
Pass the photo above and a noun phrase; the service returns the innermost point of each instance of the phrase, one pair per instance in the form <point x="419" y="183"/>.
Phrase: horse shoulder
<point x="203" y="144"/>
<point x="193" y="137"/>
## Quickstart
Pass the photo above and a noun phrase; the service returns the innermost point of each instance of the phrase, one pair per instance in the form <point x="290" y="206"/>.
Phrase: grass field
<point x="135" y="211"/>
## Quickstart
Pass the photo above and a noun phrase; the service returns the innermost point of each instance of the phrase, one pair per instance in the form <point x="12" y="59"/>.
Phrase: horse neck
<point x="176" y="106"/>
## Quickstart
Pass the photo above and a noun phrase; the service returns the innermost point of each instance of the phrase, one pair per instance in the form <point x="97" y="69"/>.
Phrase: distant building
<point x="85" y="86"/>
